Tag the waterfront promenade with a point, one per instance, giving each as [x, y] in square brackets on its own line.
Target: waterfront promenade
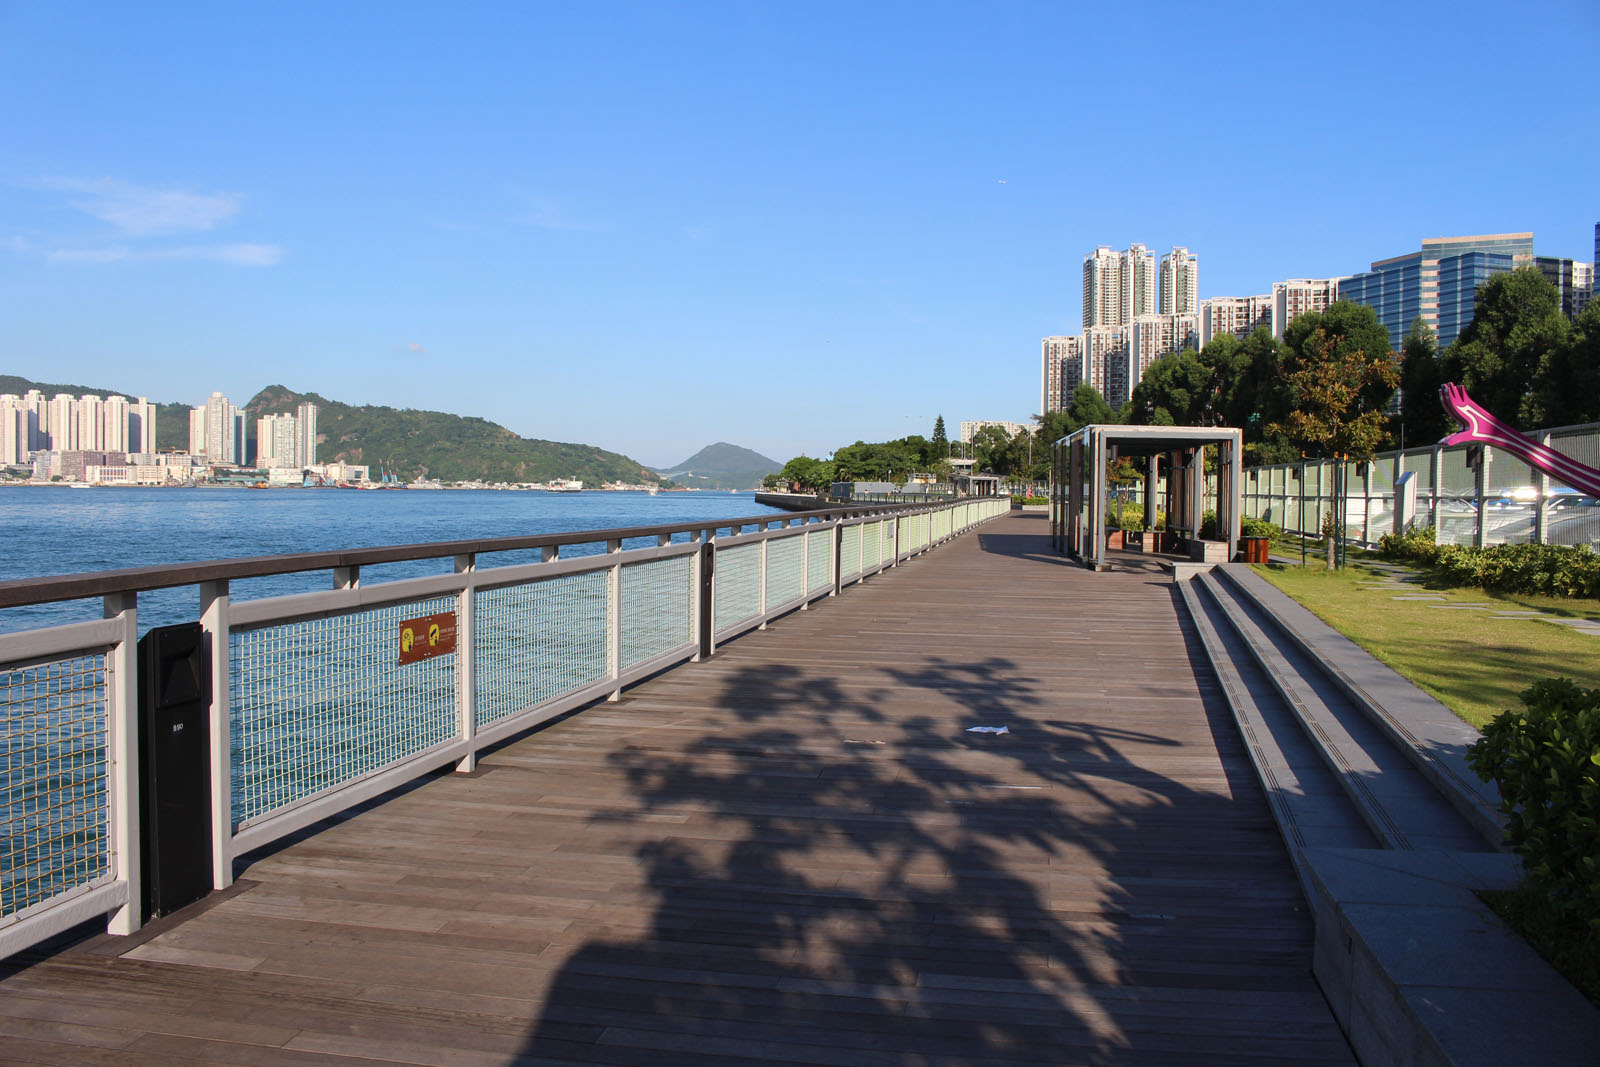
[792, 852]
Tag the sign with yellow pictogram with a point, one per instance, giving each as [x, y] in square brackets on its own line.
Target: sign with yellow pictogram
[429, 636]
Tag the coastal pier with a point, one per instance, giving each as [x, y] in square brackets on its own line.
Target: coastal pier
[984, 808]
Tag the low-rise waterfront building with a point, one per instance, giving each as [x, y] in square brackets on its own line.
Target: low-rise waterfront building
[970, 428]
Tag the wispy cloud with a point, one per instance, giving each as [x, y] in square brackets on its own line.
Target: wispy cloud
[239, 255]
[147, 211]
[141, 219]
[549, 215]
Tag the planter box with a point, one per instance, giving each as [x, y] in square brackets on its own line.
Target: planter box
[1116, 539]
[1254, 549]
[1208, 551]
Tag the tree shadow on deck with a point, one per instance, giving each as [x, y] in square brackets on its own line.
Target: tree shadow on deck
[860, 880]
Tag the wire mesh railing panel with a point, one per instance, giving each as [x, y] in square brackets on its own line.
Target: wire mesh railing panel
[1419, 463]
[54, 780]
[850, 551]
[319, 702]
[1581, 445]
[738, 579]
[819, 556]
[657, 608]
[888, 528]
[871, 544]
[786, 563]
[538, 641]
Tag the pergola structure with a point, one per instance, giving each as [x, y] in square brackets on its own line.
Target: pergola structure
[1078, 483]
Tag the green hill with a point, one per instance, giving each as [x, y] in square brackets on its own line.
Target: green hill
[452, 448]
[410, 443]
[722, 466]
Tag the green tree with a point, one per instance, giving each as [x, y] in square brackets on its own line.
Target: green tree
[808, 473]
[1422, 418]
[1516, 335]
[1176, 390]
[1329, 387]
[1569, 387]
[1089, 408]
[941, 443]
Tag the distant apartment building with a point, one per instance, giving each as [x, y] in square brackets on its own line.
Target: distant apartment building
[66, 423]
[1105, 357]
[1118, 287]
[1180, 283]
[1154, 336]
[288, 440]
[1238, 315]
[970, 428]
[1404, 288]
[1296, 296]
[1102, 287]
[13, 430]
[1061, 370]
[217, 431]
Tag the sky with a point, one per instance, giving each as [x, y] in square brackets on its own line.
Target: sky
[791, 226]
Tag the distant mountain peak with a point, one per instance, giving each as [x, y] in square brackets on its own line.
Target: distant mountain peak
[722, 466]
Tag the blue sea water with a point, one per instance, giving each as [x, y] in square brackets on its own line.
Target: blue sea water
[56, 530]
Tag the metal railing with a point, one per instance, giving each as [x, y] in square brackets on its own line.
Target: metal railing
[314, 707]
[1469, 495]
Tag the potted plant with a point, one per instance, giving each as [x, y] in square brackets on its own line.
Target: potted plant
[1255, 539]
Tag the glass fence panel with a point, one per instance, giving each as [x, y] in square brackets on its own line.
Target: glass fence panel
[54, 780]
[871, 545]
[318, 702]
[657, 608]
[850, 551]
[819, 559]
[538, 641]
[738, 579]
[786, 578]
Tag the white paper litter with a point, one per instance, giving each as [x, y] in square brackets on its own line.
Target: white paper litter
[987, 730]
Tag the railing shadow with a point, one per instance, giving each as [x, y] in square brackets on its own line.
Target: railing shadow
[867, 882]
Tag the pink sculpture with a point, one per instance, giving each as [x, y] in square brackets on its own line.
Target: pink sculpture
[1480, 427]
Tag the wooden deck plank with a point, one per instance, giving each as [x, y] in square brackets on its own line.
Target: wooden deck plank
[793, 851]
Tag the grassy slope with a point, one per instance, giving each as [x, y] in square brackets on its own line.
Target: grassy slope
[1474, 664]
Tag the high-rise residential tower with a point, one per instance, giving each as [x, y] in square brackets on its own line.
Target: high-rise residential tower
[1140, 285]
[1102, 287]
[306, 438]
[1180, 283]
[142, 426]
[216, 431]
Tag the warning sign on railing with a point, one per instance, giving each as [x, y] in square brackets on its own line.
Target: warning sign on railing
[429, 636]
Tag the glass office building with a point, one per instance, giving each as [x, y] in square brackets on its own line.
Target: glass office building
[1411, 286]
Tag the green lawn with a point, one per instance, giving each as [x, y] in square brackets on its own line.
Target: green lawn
[1474, 664]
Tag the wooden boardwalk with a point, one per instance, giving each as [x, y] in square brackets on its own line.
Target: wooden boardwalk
[793, 852]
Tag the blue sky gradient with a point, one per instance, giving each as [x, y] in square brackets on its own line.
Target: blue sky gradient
[652, 226]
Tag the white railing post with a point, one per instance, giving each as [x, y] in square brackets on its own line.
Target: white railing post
[836, 558]
[697, 565]
[761, 576]
[805, 563]
[122, 721]
[214, 624]
[466, 565]
[614, 617]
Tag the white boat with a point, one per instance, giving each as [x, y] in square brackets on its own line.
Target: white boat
[565, 485]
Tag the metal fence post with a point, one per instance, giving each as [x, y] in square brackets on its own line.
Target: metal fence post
[122, 700]
[214, 624]
[1541, 488]
[837, 558]
[614, 618]
[466, 565]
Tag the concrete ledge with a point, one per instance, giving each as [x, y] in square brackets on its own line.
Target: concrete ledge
[1418, 970]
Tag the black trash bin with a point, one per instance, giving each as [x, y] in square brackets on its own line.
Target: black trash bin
[174, 767]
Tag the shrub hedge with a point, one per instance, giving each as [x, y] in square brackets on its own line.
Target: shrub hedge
[1551, 570]
[1546, 761]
